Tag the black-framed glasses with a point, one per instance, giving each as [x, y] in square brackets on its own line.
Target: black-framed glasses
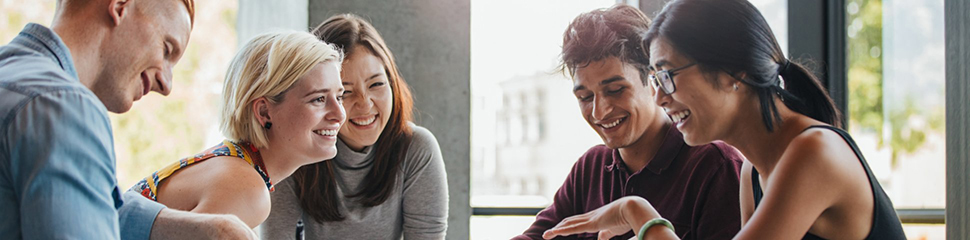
[665, 79]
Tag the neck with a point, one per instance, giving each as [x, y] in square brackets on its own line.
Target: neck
[83, 40]
[638, 155]
[761, 147]
[279, 164]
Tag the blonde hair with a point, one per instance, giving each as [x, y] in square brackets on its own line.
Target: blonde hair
[267, 66]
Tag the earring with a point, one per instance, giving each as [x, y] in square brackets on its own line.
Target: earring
[268, 125]
[735, 86]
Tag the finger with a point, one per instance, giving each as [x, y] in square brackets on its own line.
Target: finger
[566, 230]
[606, 234]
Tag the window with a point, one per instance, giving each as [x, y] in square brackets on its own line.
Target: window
[527, 130]
[896, 70]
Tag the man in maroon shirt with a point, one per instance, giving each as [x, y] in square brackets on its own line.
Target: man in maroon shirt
[696, 188]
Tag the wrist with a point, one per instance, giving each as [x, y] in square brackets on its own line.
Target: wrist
[637, 211]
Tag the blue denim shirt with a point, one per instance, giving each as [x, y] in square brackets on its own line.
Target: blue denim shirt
[57, 162]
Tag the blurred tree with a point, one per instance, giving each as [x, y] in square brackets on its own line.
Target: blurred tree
[867, 109]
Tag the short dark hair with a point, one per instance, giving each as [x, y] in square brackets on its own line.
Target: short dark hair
[607, 32]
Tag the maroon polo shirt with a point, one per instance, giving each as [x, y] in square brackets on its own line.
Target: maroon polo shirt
[696, 188]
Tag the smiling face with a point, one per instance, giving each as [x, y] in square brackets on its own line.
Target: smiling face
[139, 53]
[701, 111]
[368, 98]
[308, 117]
[614, 101]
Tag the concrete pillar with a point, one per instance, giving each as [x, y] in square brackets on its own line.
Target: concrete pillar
[259, 16]
[957, 119]
[430, 42]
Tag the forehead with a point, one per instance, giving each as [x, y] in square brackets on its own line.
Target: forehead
[595, 72]
[660, 49]
[172, 18]
[323, 75]
[362, 61]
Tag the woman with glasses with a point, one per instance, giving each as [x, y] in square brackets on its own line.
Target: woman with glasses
[721, 76]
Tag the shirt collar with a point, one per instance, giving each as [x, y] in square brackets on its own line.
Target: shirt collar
[46, 42]
[672, 143]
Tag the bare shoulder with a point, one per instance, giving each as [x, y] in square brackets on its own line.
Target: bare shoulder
[819, 148]
[821, 158]
[232, 186]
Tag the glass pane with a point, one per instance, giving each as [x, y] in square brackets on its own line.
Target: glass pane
[776, 13]
[896, 96]
[527, 130]
[925, 231]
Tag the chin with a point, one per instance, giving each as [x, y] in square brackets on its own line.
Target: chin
[329, 153]
[691, 140]
[614, 144]
[119, 106]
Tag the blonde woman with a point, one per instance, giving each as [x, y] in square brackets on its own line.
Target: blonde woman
[281, 110]
[388, 180]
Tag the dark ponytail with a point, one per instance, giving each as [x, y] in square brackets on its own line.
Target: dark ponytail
[809, 96]
[732, 36]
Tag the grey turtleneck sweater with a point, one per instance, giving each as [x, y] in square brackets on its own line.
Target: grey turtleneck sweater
[417, 209]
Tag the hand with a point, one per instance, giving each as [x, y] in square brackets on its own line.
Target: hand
[614, 219]
[176, 224]
[228, 226]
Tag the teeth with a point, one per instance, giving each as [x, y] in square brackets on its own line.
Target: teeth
[364, 122]
[612, 124]
[326, 132]
[678, 116]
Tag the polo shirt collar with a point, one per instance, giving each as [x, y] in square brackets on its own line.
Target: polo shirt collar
[672, 143]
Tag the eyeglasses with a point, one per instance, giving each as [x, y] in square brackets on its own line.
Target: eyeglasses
[665, 79]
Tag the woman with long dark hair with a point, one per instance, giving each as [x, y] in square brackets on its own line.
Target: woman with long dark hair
[720, 75]
[388, 178]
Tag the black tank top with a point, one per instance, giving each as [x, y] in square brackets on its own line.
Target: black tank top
[885, 223]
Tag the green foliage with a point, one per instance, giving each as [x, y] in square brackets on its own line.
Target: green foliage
[909, 126]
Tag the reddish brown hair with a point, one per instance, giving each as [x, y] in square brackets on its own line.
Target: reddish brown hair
[608, 32]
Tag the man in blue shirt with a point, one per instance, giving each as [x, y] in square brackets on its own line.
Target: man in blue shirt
[57, 163]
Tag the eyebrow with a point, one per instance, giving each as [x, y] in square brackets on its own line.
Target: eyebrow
[325, 90]
[366, 79]
[604, 82]
[660, 63]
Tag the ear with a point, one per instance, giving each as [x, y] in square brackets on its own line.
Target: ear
[261, 110]
[118, 10]
[734, 78]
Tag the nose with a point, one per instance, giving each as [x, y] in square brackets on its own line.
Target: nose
[162, 83]
[601, 108]
[365, 101]
[661, 98]
[335, 111]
